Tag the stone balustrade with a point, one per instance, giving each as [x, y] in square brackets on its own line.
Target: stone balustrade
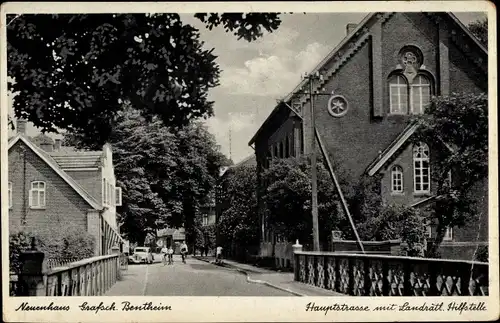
[383, 275]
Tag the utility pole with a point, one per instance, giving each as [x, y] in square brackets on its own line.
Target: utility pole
[314, 175]
[230, 144]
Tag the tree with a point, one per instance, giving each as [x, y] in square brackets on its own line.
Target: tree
[459, 125]
[479, 28]
[239, 223]
[164, 175]
[77, 78]
[288, 206]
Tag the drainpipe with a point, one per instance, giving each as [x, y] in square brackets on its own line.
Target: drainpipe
[25, 200]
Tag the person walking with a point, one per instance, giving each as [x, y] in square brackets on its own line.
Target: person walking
[164, 252]
[184, 250]
[170, 252]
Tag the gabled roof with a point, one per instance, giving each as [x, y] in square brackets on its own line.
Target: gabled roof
[77, 160]
[53, 164]
[393, 147]
[336, 53]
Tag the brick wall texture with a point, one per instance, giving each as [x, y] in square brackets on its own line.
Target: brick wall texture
[358, 137]
[64, 207]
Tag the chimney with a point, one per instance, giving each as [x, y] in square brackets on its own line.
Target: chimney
[21, 126]
[350, 28]
[57, 144]
[48, 147]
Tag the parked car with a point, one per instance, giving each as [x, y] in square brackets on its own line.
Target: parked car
[141, 255]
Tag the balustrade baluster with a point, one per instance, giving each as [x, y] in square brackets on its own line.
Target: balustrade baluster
[385, 279]
[336, 270]
[407, 287]
[59, 284]
[69, 288]
[367, 283]
[306, 268]
[432, 272]
[316, 270]
[325, 270]
[78, 282]
[296, 267]
[350, 272]
[91, 269]
[463, 284]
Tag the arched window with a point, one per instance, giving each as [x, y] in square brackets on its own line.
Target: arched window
[397, 179]
[421, 169]
[275, 151]
[37, 194]
[420, 94]
[281, 149]
[398, 95]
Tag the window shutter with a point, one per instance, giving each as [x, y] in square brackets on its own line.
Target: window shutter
[118, 196]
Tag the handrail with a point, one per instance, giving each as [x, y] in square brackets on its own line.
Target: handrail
[78, 263]
[400, 258]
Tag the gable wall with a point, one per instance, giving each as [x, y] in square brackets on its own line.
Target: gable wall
[64, 206]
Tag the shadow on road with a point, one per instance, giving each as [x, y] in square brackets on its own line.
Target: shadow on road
[204, 266]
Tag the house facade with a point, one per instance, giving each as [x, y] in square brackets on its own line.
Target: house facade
[52, 187]
[385, 70]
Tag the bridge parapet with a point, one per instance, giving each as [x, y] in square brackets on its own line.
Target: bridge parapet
[382, 275]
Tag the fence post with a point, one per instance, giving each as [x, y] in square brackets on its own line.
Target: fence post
[116, 251]
[32, 272]
[297, 247]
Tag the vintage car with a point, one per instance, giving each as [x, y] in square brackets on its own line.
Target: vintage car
[141, 255]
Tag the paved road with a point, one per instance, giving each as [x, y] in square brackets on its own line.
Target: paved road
[195, 278]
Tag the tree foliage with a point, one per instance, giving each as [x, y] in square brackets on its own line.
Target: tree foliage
[394, 222]
[78, 77]
[479, 28]
[459, 124]
[288, 201]
[239, 223]
[164, 175]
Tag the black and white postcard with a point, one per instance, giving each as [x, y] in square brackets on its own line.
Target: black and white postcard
[239, 161]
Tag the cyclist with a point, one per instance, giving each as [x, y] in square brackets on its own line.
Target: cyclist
[164, 252]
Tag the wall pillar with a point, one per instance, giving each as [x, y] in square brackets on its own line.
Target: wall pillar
[377, 77]
[444, 61]
[94, 228]
[31, 278]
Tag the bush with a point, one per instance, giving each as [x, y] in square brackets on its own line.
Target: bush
[18, 242]
[68, 243]
[397, 222]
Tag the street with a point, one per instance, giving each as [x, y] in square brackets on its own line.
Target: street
[195, 278]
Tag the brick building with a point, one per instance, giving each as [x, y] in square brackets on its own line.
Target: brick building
[384, 70]
[52, 187]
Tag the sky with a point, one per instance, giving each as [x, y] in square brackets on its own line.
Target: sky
[256, 74]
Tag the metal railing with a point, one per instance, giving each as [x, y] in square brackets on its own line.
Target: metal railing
[380, 275]
[88, 277]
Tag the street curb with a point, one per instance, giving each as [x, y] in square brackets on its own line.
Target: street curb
[263, 282]
[254, 281]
